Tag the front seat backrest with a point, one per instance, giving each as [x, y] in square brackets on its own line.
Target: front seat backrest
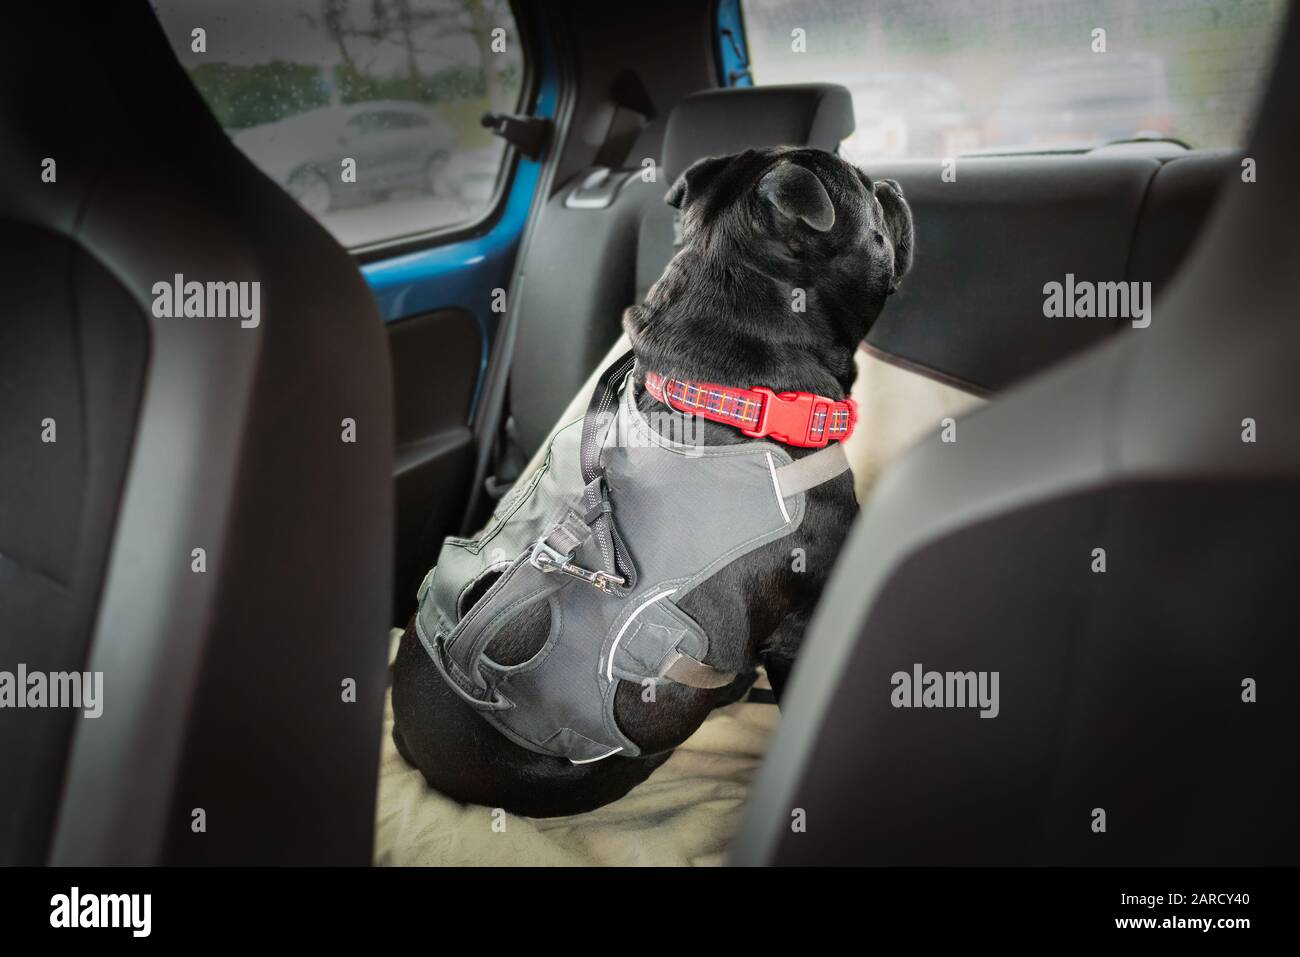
[179, 510]
[1116, 542]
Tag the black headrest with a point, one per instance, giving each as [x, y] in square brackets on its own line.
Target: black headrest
[716, 122]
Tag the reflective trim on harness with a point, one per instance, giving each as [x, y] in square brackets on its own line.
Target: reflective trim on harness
[776, 487]
[599, 757]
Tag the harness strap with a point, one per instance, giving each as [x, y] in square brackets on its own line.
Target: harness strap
[692, 672]
[600, 411]
[571, 532]
[812, 470]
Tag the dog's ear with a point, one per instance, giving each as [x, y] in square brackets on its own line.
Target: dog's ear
[695, 180]
[798, 195]
[898, 220]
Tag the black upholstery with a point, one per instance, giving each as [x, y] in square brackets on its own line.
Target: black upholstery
[577, 281]
[717, 122]
[223, 689]
[435, 447]
[75, 349]
[654, 245]
[593, 262]
[1120, 690]
[971, 310]
[1179, 199]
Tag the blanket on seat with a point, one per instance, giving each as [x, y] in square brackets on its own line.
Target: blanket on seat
[685, 813]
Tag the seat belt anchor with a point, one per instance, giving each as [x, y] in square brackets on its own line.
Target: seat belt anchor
[546, 560]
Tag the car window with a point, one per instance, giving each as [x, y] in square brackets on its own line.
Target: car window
[365, 111]
[940, 78]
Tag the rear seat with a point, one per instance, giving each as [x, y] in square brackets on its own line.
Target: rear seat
[969, 319]
[971, 311]
[1180, 197]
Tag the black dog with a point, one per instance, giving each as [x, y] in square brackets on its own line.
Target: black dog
[763, 230]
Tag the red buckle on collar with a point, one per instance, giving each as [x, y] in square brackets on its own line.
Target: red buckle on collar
[802, 419]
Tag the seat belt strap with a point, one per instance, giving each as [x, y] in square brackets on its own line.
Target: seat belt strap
[812, 470]
[693, 673]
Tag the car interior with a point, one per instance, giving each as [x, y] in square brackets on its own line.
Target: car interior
[233, 521]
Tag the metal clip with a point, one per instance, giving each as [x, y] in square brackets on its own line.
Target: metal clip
[547, 559]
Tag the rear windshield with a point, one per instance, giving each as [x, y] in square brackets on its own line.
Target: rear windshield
[941, 78]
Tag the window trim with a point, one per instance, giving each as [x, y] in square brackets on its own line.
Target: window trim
[732, 64]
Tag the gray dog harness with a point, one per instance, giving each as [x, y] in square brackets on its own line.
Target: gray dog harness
[611, 532]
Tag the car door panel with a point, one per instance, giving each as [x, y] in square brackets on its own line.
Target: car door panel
[435, 446]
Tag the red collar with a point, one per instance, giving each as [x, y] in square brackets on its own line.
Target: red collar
[803, 419]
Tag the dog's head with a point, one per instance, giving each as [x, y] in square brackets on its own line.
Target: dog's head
[787, 258]
[807, 213]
